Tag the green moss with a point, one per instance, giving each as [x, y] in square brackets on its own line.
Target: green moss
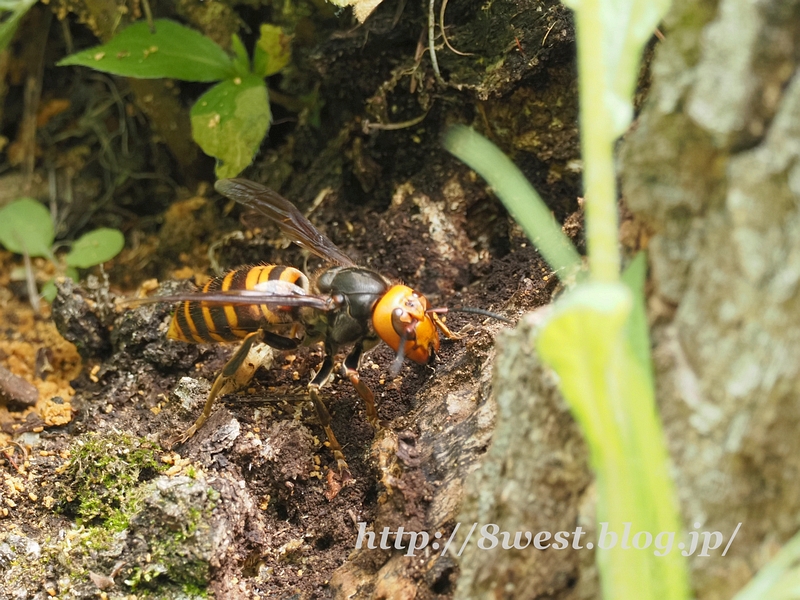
[195, 591]
[178, 552]
[102, 473]
[107, 490]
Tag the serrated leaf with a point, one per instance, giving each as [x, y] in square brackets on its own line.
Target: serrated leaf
[95, 247]
[172, 51]
[26, 226]
[273, 51]
[229, 122]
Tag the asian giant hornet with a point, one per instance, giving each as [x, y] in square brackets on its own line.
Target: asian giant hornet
[345, 305]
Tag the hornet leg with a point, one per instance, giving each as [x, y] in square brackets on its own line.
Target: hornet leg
[228, 371]
[350, 368]
[324, 416]
[444, 329]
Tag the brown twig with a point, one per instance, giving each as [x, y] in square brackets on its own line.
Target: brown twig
[548, 32]
[367, 126]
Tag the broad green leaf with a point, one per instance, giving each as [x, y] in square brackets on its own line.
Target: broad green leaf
[172, 51]
[273, 51]
[95, 247]
[9, 27]
[587, 322]
[229, 122]
[26, 226]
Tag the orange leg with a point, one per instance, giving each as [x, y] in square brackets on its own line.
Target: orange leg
[350, 367]
[227, 372]
[324, 415]
[444, 329]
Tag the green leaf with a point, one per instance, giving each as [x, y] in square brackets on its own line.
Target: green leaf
[273, 51]
[95, 247]
[26, 226]
[779, 579]
[634, 277]
[172, 51]
[230, 121]
[242, 62]
[9, 27]
[49, 290]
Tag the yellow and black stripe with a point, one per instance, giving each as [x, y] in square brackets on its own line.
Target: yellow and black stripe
[198, 322]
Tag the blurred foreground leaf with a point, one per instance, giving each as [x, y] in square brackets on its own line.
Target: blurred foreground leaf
[779, 579]
[593, 342]
[519, 197]
[9, 26]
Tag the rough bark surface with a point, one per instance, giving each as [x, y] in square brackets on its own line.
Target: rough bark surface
[713, 167]
[535, 477]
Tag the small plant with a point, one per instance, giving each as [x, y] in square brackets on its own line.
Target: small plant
[230, 120]
[595, 336]
[27, 229]
[11, 13]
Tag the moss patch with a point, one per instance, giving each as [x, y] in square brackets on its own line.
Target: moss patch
[122, 507]
[103, 475]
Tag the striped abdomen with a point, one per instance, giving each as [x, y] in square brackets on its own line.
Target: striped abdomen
[197, 322]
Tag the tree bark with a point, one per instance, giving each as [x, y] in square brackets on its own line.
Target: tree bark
[712, 166]
[534, 478]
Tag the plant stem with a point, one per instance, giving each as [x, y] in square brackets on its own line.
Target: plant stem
[597, 147]
[30, 279]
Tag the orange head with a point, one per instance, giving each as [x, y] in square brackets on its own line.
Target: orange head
[402, 314]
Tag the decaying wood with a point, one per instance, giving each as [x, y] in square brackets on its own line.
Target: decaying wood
[534, 478]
